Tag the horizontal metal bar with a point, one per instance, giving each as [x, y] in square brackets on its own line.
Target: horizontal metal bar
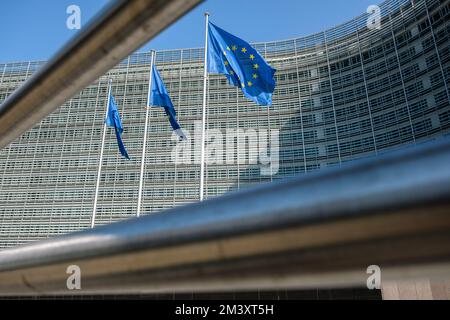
[322, 229]
[120, 29]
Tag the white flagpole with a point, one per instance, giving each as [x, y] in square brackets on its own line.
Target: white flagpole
[101, 159]
[144, 143]
[205, 78]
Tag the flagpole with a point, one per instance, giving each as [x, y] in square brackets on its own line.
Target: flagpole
[205, 78]
[94, 212]
[144, 143]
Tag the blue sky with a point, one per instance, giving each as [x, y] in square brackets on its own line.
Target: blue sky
[34, 30]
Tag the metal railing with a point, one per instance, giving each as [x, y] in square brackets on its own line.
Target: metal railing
[320, 230]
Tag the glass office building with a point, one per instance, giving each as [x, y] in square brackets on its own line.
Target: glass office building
[347, 93]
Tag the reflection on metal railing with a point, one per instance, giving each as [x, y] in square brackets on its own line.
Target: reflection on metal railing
[320, 230]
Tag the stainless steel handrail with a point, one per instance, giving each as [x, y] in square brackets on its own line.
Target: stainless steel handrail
[121, 28]
[319, 230]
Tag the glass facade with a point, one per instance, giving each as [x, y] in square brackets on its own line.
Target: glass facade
[343, 94]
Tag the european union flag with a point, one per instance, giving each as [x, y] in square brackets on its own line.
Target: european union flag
[159, 97]
[243, 65]
[113, 120]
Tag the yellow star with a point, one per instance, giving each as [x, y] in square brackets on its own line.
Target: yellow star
[255, 66]
[228, 48]
[249, 83]
[244, 50]
[252, 57]
[234, 48]
[226, 63]
[224, 53]
[255, 76]
[231, 72]
[242, 85]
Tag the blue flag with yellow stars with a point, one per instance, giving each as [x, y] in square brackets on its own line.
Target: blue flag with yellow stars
[243, 66]
[159, 97]
[113, 120]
